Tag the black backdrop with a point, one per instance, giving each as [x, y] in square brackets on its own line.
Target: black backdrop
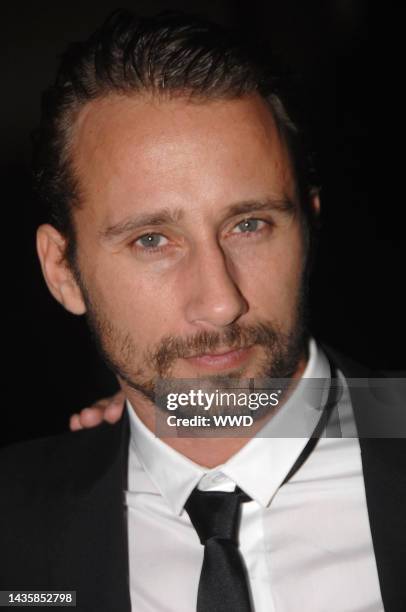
[50, 366]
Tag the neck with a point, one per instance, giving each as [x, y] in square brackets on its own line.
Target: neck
[206, 451]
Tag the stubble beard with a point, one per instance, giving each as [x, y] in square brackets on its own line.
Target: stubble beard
[282, 351]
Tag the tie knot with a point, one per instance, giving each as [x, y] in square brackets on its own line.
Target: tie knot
[215, 514]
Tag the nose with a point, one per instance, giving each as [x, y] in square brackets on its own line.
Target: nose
[214, 298]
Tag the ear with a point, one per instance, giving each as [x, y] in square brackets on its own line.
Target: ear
[58, 276]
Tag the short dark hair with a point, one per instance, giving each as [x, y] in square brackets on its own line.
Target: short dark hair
[171, 54]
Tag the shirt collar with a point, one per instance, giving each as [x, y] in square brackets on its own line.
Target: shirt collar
[174, 475]
[260, 466]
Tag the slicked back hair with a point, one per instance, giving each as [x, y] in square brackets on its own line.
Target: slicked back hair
[169, 55]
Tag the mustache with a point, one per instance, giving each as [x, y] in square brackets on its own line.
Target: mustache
[233, 338]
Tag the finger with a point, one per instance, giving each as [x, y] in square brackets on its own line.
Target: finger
[90, 417]
[113, 412]
[118, 398]
[74, 423]
[114, 409]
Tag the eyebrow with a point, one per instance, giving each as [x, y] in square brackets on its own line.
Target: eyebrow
[166, 216]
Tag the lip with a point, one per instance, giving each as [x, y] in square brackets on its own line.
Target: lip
[227, 359]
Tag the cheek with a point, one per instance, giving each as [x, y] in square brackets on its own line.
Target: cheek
[271, 280]
[142, 305]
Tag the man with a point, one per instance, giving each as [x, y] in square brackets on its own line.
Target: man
[182, 225]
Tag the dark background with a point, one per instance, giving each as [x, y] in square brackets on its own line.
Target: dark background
[50, 366]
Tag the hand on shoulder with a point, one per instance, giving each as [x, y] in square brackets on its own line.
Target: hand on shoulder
[107, 409]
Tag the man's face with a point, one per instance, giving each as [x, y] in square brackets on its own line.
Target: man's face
[189, 238]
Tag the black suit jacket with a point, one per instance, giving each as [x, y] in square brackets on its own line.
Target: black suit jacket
[63, 522]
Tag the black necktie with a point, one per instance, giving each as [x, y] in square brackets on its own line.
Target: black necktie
[223, 583]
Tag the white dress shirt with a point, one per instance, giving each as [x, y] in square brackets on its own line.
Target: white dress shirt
[306, 545]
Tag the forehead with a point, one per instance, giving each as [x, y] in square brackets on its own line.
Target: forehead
[138, 151]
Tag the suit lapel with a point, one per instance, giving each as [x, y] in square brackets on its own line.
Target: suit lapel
[88, 549]
[384, 469]
[88, 537]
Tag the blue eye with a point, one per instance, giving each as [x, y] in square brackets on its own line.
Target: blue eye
[151, 241]
[249, 225]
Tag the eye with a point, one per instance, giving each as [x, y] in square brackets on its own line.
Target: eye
[249, 226]
[151, 241]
